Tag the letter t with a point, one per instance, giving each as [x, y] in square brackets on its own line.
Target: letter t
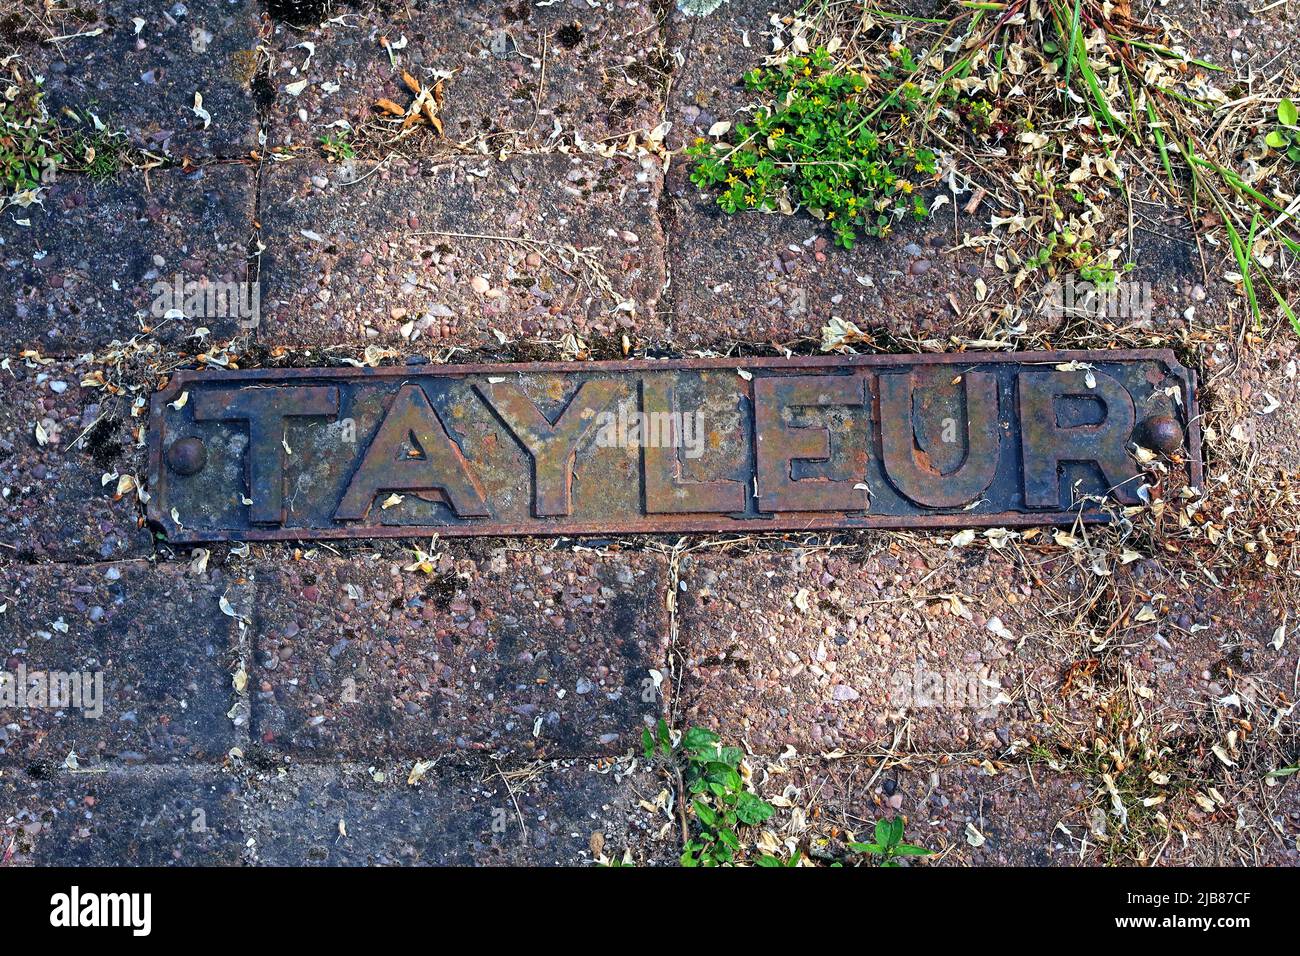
[265, 410]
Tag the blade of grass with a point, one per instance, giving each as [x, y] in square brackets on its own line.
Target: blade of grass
[890, 15]
[1132, 106]
[1089, 75]
[1286, 309]
[1241, 252]
[1154, 125]
[1163, 51]
[1074, 39]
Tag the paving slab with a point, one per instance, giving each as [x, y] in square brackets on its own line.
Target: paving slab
[1194, 644]
[1012, 813]
[1253, 406]
[122, 663]
[547, 654]
[481, 815]
[755, 277]
[514, 76]
[777, 279]
[824, 651]
[450, 253]
[137, 68]
[144, 816]
[92, 262]
[1228, 34]
[1018, 813]
[54, 500]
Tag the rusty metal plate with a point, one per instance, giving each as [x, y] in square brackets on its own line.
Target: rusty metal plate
[883, 441]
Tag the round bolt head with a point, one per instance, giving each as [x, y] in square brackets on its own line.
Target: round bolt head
[1161, 433]
[187, 456]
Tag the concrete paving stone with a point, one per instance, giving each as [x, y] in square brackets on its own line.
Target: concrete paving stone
[1206, 643]
[752, 277]
[547, 654]
[1259, 826]
[141, 78]
[1282, 808]
[354, 256]
[1229, 33]
[54, 501]
[773, 278]
[87, 268]
[1015, 812]
[159, 650]
[483, 815]
[515, 75]
[714, 53]
[1252, 403]
[146, 816]
[757, 277]
[823, 651]
[776, 278]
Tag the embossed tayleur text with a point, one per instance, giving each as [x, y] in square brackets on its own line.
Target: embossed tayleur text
[703, 444]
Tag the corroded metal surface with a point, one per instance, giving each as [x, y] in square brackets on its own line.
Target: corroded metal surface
[881, 441]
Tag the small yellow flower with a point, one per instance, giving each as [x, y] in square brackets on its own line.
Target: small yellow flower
[749, 172]
[700, 141]
[903, 121]
[807, 71]
[920, 167]
[905, 186]
[750, 199]
[778, 133]
[830, 215]
[886, 231]
[732, 180]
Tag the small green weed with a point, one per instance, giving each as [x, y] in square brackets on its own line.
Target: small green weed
[338, 147]
[825, 143]
[710, 773]
[26, 144]
[99, 156]
[1064, 249]
[888, 845]
[1286, 137]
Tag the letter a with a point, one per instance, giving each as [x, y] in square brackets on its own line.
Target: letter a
[413, 452]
